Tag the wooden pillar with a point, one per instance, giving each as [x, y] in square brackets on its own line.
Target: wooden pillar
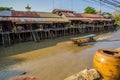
[45, 34]
[49, 33]
[6, 40]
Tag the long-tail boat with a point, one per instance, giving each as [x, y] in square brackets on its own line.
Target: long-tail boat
[84, 39]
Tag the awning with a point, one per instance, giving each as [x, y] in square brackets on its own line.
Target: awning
[81, 19]
[20, 19]
[101, 19]
[42, 22]
[33, 20]
[89, 19]
[54, 20]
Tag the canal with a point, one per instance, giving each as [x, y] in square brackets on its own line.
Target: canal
[52, 59]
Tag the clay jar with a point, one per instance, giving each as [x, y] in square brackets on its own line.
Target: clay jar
[107, 63]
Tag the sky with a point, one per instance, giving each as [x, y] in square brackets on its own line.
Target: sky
[49, 5]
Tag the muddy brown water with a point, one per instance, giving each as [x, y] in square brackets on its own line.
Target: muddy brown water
[52, 59]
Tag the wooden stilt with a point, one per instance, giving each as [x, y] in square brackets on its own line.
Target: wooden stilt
[64, 32]
[45, 34]
[35, 35]
[49, 33]
[6, 41]
[19, 37]
[53, 35]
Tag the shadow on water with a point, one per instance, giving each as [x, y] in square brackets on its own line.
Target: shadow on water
[8, 75]
[7, 62]
[23, 47]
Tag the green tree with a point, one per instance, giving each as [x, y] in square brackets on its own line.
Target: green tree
[117, 18]
[69, 24]
[90, 10]
[5, 8]
[107, 14]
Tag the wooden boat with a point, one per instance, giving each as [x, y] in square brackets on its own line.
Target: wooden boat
[84, 40]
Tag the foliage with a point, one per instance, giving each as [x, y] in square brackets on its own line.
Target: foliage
[54, 26]
[90, 10]
[40, 25]
[5, 8]
[117, 18]
[69, 24]
[107, 14]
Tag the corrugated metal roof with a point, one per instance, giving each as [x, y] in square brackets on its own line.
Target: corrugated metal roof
[68, 14]
[25, 14]
[82, 15]
[77, 15]
[87, 20]
[28, 17]
[47, 15]
[55, 20]
[5, 13]
[32, 20]
[101, 19]
[73, 18]
[91, 15]
[82, 19]
[62, 10]
[32, 17]
[85, 17]
[22, 19]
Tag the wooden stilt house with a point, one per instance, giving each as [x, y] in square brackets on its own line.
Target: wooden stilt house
[26, 25]
[86, 22]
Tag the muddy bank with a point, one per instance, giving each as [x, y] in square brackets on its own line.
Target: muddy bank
[51, 59]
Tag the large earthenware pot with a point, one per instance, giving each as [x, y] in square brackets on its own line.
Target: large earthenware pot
[107, 63]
